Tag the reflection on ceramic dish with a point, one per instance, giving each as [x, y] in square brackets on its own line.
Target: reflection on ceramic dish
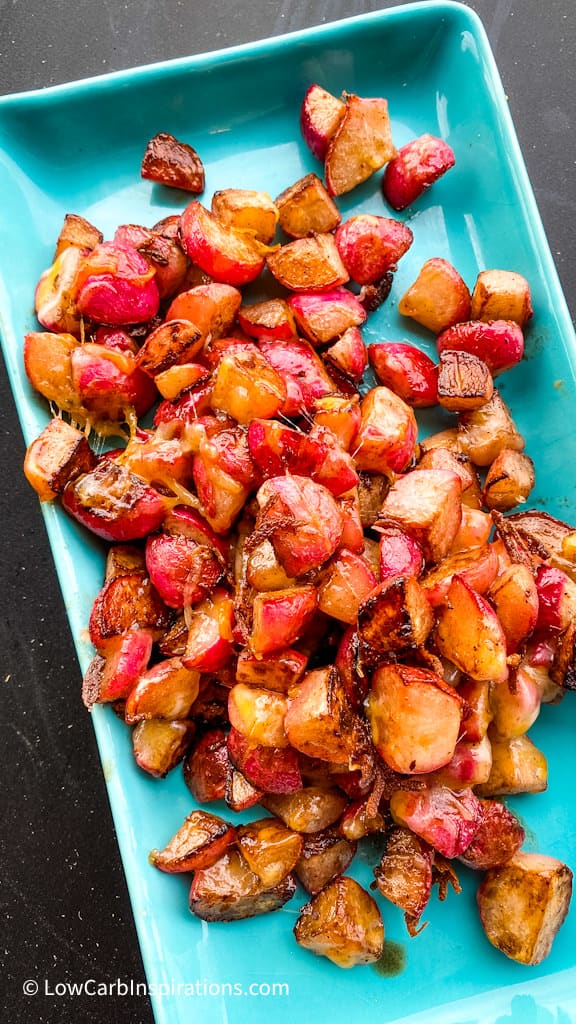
[239, 108]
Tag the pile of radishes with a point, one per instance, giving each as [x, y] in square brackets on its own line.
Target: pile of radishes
[302, 603]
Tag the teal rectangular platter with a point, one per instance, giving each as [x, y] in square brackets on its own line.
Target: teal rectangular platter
[77, 148]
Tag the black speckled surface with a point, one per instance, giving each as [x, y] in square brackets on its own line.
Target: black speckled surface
[64, 907]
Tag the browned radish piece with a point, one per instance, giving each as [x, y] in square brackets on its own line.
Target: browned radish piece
[167, 690]
[523, 903]
[246, 386]
[276, 448]
[556, 599]
[209, 646]
[361, 144]
[499, 343]
[340, 415]
[469, 634]
[501, 295]
[396, 616]
[258, 714]
[211, 307]
[175, 341]
[346, 661]
[415, 718]
[302, 370]
[445, 819]
[478, 566]
[110, 384]
[272, 319]
[310, 810]
[114, 503]
[337, 471]
[517, 767]
[230, 890]
[116, 285]
[160, 461]
[444, 458]
[319, 721]
[371, 245]
[326, 316]
[56, 294]
[308, 264]
[360, 820]
[277, 671]
[280, 617]
[199, 842]
[348, 354]
[324, 856]
[500, 835]
[404, 875]
[548, 536]
[229, 256]
[269, 769]
[305, 208]
[509, 480]
[464, 381]
[438, 298]
[400, 554]
[345, 585]
[240, 794]
[415, 167]
[246, 210]
[427, 505]
[407, 371]
[159, 745]
[270, 849]
[123, 558]
[113, 677]
[173, 163]
[373, 295]
[477, 709]
[78, 232]
[485, 432]
[206, 766]
[183, 571]
[126, 602]
[60, 453]
[164, 254]
[320, 115]
[470, 765]
[303, 520]
[372, 490]
[386, 440]
[515, 597]
[263, 570]
[191, 404]
[223, 474]
[516, 705]
[171, 383]
[342, 923]
[49, 369]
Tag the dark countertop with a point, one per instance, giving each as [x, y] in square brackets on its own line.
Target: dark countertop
[64, 903]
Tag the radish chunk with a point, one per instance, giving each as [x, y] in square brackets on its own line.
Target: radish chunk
[320, 115]
[247, 211]
[343, 923]
[229, 890]
[167, 690]
[438, 298]
[395, 616]
[319, 721]
[172, 163]
[326, 316]
[500, 835]
[303, 519]
[308, 264]
[305, 208]
[469, 634]
[407, 371]
[59, 454]
[198, 843]
[324, 856]
[270, 848]
[269, 769]
[227, 255]
[523, 904]
[370, 246]
[361, 144]
[415, 718]
[280, 617]
[404, 874]
[386, 440]
[416, 167]
[499, 343]
[447, 820]
[427, 505]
